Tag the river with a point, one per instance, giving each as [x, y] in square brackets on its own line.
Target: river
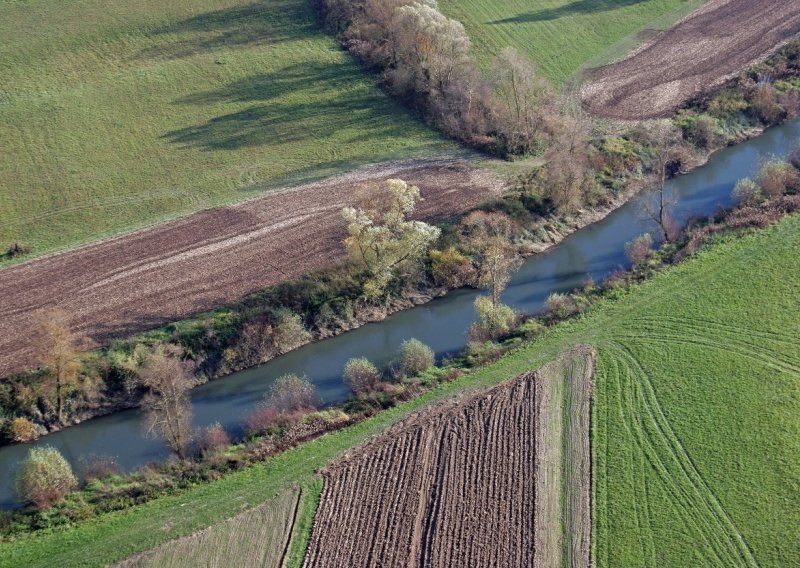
[595, 250]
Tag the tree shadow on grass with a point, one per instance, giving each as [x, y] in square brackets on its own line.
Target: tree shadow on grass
[263, 23]
[300, 103]
[573, 8]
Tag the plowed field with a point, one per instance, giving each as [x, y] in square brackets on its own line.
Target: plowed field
[146, 279]
[472, 483]
[710, 45]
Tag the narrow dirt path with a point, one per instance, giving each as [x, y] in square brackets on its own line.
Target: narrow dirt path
[146, 279]
[706, 48]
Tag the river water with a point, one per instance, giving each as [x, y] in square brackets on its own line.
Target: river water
[596, 250]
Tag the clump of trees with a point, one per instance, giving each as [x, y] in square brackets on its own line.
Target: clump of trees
[382, 240]
[423, 57]
[45, 477]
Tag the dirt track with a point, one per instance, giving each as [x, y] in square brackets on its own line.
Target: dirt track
[706, 48]
[470, 483]
[143, 280]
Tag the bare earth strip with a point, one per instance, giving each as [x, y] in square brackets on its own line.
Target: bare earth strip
[711, 45]
[460, 484]
[254, 539]
[152, 277]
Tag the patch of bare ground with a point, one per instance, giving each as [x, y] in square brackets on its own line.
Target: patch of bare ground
[479, 481]
[703, 50]
[149, 278]
[256, 538]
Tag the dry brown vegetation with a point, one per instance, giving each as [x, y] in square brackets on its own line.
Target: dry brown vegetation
[140, 281]
[478, 481]
[256, 538]
[711, 45]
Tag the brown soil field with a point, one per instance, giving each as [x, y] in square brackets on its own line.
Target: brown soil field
[146, 279]
[477, 481]
[703, 50]
[257, 538]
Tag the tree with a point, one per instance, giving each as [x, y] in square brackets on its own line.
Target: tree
[57, 346]
[44, 477]
[361, 376]
[667, 157]
[523, 102]
[381, 239]
[290, 393]
[489, 236]
[428, 47]
[167, 408]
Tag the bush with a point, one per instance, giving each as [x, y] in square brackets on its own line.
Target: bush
[415, 357]
[560, 305]
[451, 269]
[45, 477]
[98, 467]
[747, 192]
[777, 177]
[290, 333]
[494, 320]
[21, 430]
[639, 249]
[290, 393]
[213, 440]
[263, 420]
[361, 376]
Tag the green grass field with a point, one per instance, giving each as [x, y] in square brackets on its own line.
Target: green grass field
[695, 430]
[562, 36]
[115, 115]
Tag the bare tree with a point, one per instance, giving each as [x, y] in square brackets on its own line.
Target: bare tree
[667, 157]
[166, 404]
[490, 235]
[58, 352]
[524, 101]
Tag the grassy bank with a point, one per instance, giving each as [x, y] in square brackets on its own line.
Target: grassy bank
[695, 425]
[561, 36]
[118, 115]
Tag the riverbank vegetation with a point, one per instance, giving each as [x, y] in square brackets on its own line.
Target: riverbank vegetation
[289, 413]
[646, 366]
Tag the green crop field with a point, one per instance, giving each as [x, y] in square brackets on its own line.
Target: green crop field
[695, 425]
[115, 115]
[562, 36]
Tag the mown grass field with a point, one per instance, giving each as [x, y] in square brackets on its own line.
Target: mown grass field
[695, 425]
[115, 115]
[256, 538]
[562, 36]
